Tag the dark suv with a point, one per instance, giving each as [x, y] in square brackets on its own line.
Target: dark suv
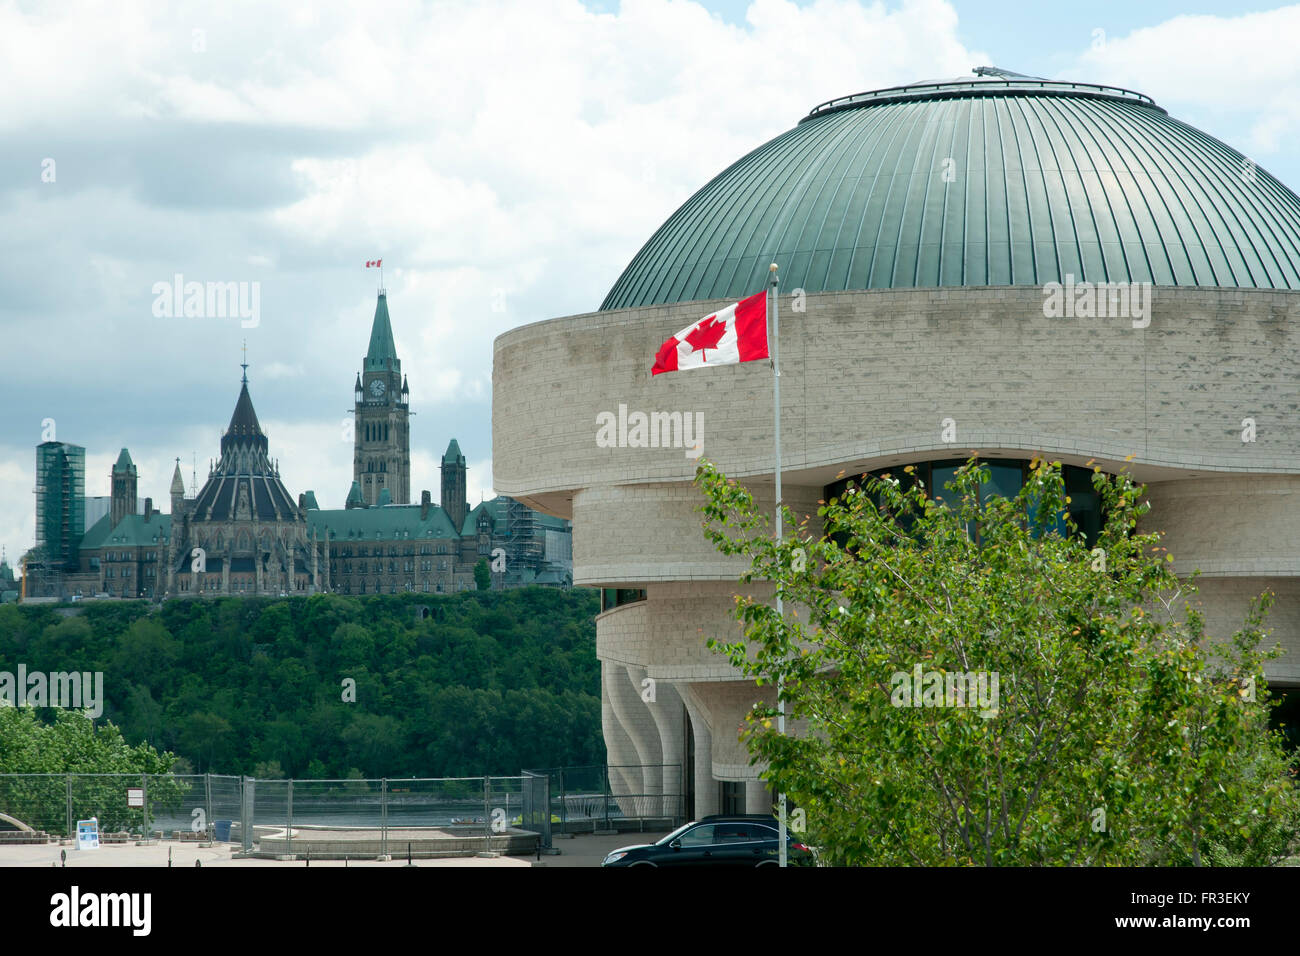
[721, 840]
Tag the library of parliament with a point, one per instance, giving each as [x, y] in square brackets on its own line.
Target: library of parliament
[244, 533]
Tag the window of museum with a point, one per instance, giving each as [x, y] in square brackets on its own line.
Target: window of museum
[611, 598]
[731, 797]
[1006, 477]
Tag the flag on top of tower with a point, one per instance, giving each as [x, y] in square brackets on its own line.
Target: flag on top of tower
[729, 336]
[375, 262]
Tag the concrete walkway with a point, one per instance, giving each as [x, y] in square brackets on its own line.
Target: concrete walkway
[184, 854]
[584, 850]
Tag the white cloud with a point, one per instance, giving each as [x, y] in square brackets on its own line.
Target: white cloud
[506, 158]
[1224, 66]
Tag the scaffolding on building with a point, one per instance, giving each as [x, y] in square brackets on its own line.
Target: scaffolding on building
[526, 545]
[60, 516]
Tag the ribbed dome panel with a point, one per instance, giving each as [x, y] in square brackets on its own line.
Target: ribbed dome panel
[970, 187]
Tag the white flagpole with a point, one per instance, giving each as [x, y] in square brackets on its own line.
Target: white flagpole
[780, 609]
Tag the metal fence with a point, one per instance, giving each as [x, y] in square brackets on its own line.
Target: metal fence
[167, 802]
[380, 817]
[361, 817]
[615, 797]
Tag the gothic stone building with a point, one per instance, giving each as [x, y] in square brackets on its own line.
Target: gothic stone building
[244, 533]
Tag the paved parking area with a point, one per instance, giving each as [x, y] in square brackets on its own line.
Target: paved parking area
[588, 849]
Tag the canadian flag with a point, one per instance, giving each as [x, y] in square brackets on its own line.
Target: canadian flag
[375, 262]
[729, 336]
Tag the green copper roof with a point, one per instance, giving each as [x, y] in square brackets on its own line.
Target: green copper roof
[382, 353]
[453, 453]
[244, 427]
[131, 531]
[469, 526]
[354, 495]
[377, 524]
[124, 462]
[978, 181]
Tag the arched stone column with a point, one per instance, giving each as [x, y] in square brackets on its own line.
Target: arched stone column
[645, 778]
[706, 787]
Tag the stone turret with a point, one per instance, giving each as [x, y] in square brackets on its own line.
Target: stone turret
[454, 475]
[123, 482]
[177, 492]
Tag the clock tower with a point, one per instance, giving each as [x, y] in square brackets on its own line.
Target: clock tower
[382, 438]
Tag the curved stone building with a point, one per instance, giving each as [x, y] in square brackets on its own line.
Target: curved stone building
[994, 263]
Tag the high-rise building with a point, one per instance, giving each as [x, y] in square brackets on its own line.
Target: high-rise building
[60, 501]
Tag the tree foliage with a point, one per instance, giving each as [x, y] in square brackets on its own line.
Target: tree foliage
[1119, 732]
[73, 743]
[446, 685]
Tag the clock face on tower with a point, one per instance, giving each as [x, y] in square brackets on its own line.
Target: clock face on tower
[377, 388]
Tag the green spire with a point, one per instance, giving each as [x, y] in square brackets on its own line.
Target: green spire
[354, 497]
[453, 453]
[124, 462]
[382, 353]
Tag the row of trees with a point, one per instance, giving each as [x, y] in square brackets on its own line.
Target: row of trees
[394, 685]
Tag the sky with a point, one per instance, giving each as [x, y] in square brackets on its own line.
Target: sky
[506, 159]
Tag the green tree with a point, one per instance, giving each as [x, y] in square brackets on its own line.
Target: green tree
[971, 685]
[74, 744]
[209, 740]
[482, 575]
[234, 682]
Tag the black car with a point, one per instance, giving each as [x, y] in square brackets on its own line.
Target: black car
[716, 841]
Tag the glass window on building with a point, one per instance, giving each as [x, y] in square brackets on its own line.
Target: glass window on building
[611, 598]
[731, 796]
[1006, 478]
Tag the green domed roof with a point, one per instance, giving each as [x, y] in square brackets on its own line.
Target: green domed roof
[992, 180]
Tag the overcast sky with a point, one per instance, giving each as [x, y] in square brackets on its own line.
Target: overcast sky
[505, 159]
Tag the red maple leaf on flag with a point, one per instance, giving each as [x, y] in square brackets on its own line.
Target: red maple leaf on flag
[707, 334]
